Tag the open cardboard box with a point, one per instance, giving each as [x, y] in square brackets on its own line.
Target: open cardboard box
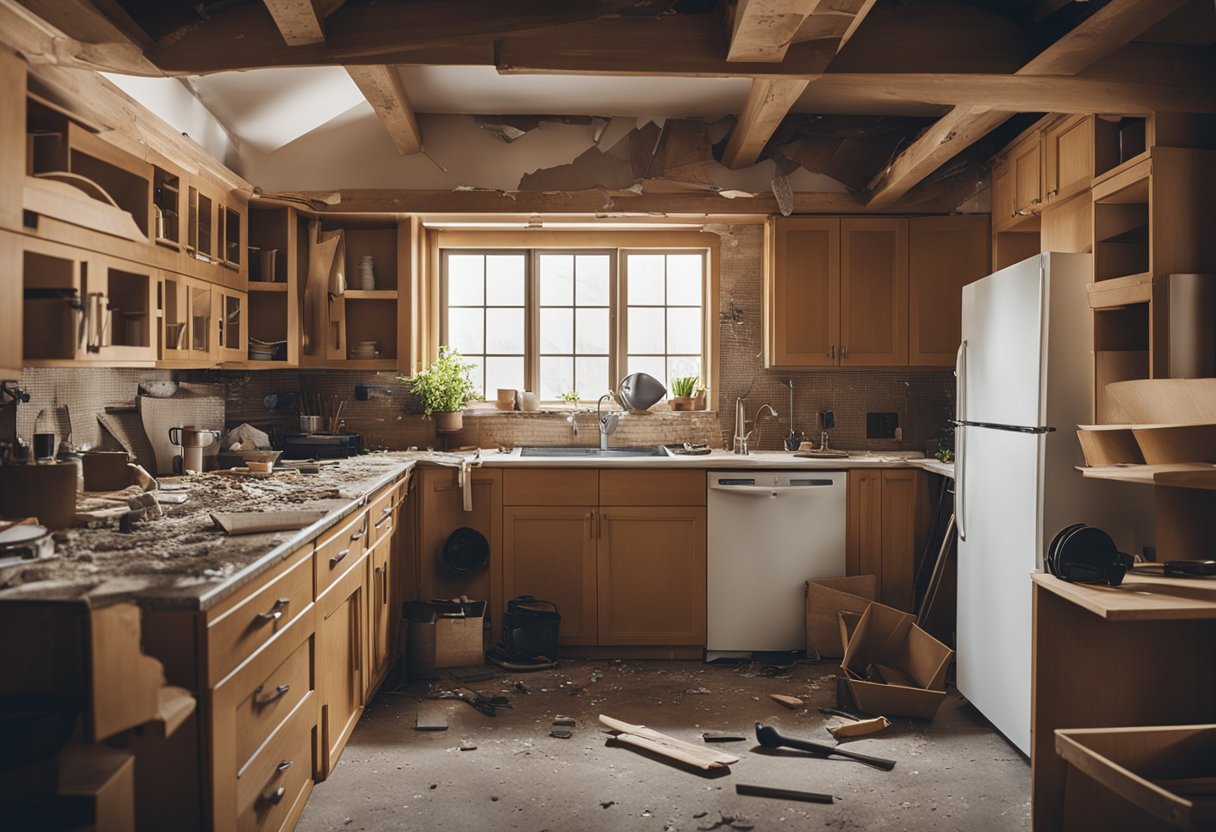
[887, 636]
[825, 598]
[442, 634]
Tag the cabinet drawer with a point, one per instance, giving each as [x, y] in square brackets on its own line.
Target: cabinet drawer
[380, 516]
[647, 487]
[550, 487]
[279, 775]
[339, 551]
[271, 699]
[236, 634]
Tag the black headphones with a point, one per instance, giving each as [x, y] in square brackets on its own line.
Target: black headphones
[1085, 555]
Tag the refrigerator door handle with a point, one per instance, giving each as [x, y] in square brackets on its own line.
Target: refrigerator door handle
[960, 442]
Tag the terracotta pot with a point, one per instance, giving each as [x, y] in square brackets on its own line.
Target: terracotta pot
[683, 402]
[448, 422]
[698, 401]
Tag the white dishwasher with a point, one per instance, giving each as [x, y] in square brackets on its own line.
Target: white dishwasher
[769, 532]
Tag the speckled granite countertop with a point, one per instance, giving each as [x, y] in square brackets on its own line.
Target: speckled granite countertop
[182, 560]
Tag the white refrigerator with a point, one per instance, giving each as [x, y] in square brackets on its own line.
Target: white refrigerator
[1024, 383]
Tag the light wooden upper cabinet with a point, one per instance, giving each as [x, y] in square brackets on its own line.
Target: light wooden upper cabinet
[1002, 192]
[804, 293]
[1068, 158]
[1026, 163]
[11, 360]
[944, 255]
[873, 292]
[870, 291]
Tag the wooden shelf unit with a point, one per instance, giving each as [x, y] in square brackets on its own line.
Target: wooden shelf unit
[274, 305]
[1122, 641]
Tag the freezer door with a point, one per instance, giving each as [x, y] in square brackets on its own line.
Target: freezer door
[1001, 357]
[1000, 509]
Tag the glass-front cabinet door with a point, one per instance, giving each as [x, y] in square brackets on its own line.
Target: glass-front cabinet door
[201, 337]
[233, 330]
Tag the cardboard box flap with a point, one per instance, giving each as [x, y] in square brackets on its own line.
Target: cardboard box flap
[847, 624]
[925, 659]
[879, 637]
[825, 598]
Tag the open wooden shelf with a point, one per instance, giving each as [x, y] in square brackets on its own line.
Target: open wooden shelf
[1185, 472]
[1121, 291]
[374, 294]
[263, 286]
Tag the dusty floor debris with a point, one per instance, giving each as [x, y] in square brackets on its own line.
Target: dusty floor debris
[955, 773]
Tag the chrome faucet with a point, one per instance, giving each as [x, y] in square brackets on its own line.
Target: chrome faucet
[572, 420]
[742, 434]
[607, 421]
[823, 441]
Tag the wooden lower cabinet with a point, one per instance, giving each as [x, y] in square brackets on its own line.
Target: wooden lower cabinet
[651, 569]
[382, 623]
[549, 552]
[887, 521]
[342, 645]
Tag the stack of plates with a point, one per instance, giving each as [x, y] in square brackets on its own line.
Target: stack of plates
[264, 350]
[364, 350]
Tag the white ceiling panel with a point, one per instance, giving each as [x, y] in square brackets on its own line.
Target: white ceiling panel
[268, 108]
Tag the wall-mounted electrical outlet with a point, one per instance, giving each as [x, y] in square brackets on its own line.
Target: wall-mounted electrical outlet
[882, 425]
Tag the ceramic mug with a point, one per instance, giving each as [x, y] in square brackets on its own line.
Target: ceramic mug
[506, 398]
[529, 401]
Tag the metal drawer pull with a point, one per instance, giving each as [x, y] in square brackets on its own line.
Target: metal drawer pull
[282, 767]
[273, 798]
[388, 509]
[276, 612]
[357, 535]
[279, 693]
[338, 558]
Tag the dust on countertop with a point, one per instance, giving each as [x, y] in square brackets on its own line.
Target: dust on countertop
[182, 556]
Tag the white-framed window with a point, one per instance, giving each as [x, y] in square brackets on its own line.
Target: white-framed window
[559, 320]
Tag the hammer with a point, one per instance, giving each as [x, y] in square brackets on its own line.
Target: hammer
[770, 737]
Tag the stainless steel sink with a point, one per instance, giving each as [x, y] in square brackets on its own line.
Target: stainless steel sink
[583, 452]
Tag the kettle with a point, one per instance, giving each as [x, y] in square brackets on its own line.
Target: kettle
[191, 439]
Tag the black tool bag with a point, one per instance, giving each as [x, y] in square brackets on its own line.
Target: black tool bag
[529, 630]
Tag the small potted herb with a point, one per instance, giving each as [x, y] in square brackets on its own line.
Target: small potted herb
[570, 398]
[700, 397]
[683, 389]
[444, 388]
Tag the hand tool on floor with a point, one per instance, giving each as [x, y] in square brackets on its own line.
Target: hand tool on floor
[770, 737]
[782, 794]
[488, 705]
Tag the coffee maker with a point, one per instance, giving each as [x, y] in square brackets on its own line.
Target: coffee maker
[191, 439]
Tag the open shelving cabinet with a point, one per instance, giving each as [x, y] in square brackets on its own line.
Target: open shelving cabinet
[274, 286]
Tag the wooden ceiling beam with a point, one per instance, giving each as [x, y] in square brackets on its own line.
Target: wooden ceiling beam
[950, 135]
[1105, 31]
[762, 30]
[300, 22]
[768, 102]
[41, 42]
[1112, 26]
[382, 87]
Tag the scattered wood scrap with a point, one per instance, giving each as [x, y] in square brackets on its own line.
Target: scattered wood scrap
[655, 742]
[791, 702]
[782, 794]
[860, 728]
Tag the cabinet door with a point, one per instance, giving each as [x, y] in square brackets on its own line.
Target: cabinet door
[201, 335]
[1002, 194]
[944, 255]
[341, 652]
[651, 564]
[1068, 158]
[900, 502]
[863, 539]
[873, 292]
[232, 332]
[803, 293]
[128, 330]
[11, 303]
[1027, 177]
[380, 616]
[549, 552]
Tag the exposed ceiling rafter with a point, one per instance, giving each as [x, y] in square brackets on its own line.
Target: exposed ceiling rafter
[382, 87]
[1102, 33]
[300, 22]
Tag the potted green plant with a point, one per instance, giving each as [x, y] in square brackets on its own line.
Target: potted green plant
[699, 399]
[683, 389]
[571, 397]
[444, 388]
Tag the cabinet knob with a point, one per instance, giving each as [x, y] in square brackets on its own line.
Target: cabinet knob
[844, 351]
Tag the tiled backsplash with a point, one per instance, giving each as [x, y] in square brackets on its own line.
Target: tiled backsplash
[390, 419]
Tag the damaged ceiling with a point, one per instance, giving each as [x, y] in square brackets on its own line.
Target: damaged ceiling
[731, 97]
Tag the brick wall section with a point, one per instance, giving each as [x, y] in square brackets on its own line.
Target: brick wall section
[923, 399]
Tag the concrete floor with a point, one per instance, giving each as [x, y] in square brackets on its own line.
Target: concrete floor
[954, 773]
